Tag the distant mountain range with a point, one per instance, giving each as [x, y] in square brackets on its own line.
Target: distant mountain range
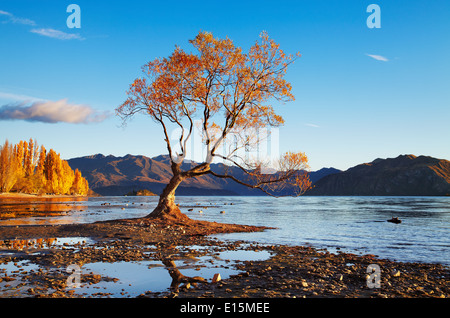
[404, 175]
[110, 175]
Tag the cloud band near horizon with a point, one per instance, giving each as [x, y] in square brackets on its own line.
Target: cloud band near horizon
[52, 112]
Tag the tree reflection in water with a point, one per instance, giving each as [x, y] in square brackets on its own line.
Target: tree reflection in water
[21, 244]
[13, 209]
[178, 278]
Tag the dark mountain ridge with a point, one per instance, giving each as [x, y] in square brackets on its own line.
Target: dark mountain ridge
[405, 175]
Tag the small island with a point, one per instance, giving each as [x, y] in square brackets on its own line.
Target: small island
[143, 192]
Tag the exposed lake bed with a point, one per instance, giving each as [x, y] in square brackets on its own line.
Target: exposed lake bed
[123, 258]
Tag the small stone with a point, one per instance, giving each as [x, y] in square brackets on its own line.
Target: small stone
[216, 278]
[395, 273]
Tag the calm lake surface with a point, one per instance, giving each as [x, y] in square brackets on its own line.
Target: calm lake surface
[348, 224]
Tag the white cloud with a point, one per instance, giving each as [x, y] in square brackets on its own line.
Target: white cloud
[5, 13]
[378, 57]
[17, 97]
[56, 34]
[52, 112]
[312, 125]
[23, 21]
[48, 32]
[18, 20]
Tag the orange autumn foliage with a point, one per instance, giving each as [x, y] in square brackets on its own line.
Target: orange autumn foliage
[231, 93]
[26, 168]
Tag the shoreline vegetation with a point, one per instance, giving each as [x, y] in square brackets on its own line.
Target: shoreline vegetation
[27, 168]
[290, 272]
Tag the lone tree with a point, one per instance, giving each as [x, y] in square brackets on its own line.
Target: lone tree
[228, 92]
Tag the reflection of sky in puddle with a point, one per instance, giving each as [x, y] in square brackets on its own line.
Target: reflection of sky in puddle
[20, 266]
[132, 278]
[64, 241]
[15, 287]
[242, 255]
[135, 278]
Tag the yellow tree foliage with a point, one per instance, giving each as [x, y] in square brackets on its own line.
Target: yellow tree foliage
[26, 168]
[40, 182]
[79, 184]
[26, 153]
[18, 150]
[9, 167]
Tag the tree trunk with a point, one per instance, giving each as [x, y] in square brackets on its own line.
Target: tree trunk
[166, 208]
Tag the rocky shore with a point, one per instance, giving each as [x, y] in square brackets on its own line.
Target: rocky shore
[289, 272]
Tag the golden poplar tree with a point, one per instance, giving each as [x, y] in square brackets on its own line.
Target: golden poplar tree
[26, 168]
[79, 185]
[40, 181]
[9, 167]
[66, 177]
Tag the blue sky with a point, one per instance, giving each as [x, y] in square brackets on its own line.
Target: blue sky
[361, 93]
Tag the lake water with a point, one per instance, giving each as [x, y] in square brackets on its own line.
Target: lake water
[348, 224]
